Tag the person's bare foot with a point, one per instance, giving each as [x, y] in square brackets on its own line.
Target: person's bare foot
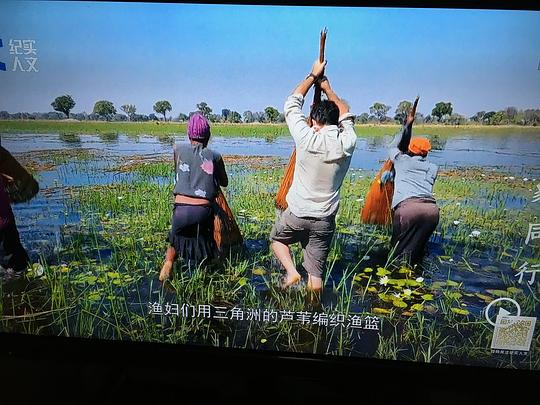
[314, 284]
[291, 279]
[166, 270]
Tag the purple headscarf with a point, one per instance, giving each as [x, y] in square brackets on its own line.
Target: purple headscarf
[198, 128]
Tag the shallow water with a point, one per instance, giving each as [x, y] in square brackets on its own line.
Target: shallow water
[517, 153]
[40, 221]
[44, 220]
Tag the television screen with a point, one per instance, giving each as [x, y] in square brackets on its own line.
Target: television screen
[330, 181]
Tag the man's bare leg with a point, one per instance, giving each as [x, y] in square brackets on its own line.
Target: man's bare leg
[166, 270]
[283, 254]
[314, 284]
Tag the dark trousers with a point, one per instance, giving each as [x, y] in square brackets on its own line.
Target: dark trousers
[12, 253]
[415, 219]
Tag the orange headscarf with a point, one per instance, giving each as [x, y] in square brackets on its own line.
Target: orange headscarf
[419, 146]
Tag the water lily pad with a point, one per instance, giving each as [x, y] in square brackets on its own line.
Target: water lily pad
[459, 311]
[259, 271]
[385, 297]
[404, 270]
[430, 309]
[455, 295]
[399, 303]
[243, 281]
[437, 285]
[483, 297]
[381, 311]
[427, 297]
[407, 313]
[90, 280]
[412, 283]
[93, 296]
[514, 290]
[36, 270]
[498, 293]
[113, 274]
[368, 270]
[417, 307]
[452, 283]
[372, 289]
[264, 340]
[398, 282]
[382, 272]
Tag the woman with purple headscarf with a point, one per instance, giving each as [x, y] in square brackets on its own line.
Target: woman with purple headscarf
[200, 172]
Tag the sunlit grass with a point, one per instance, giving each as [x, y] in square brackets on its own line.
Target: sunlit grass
[70, 129]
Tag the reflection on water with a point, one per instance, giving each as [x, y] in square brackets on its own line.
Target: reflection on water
[41, 220]
[514, 151]
[518, 153]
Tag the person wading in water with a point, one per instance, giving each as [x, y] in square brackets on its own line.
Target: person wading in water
[415, 212]
[323, 156]
[200, 172]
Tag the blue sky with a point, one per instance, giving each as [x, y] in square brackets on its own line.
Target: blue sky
[249, 57]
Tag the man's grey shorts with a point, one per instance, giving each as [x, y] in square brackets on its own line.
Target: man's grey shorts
[314, 234]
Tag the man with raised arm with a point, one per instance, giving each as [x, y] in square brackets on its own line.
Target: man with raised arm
[323, 156]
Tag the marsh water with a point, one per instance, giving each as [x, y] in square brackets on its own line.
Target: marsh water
[517, 152]
[43, 221]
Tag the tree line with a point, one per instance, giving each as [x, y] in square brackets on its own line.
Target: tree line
[442, 112]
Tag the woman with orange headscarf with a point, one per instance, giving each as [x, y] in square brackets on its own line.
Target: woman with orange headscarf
[415, 212]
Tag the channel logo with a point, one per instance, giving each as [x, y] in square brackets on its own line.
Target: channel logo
[2, 65]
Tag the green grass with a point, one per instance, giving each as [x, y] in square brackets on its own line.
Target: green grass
[269, 131]
[101, 281]
[138, 128]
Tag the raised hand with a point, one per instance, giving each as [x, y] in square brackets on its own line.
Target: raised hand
[412, 112]
[318, 68]
[323, 83]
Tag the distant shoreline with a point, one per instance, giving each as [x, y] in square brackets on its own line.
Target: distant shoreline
[257, 130]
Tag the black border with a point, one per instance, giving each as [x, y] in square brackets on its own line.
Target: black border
[88, 370]
[446, 4]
